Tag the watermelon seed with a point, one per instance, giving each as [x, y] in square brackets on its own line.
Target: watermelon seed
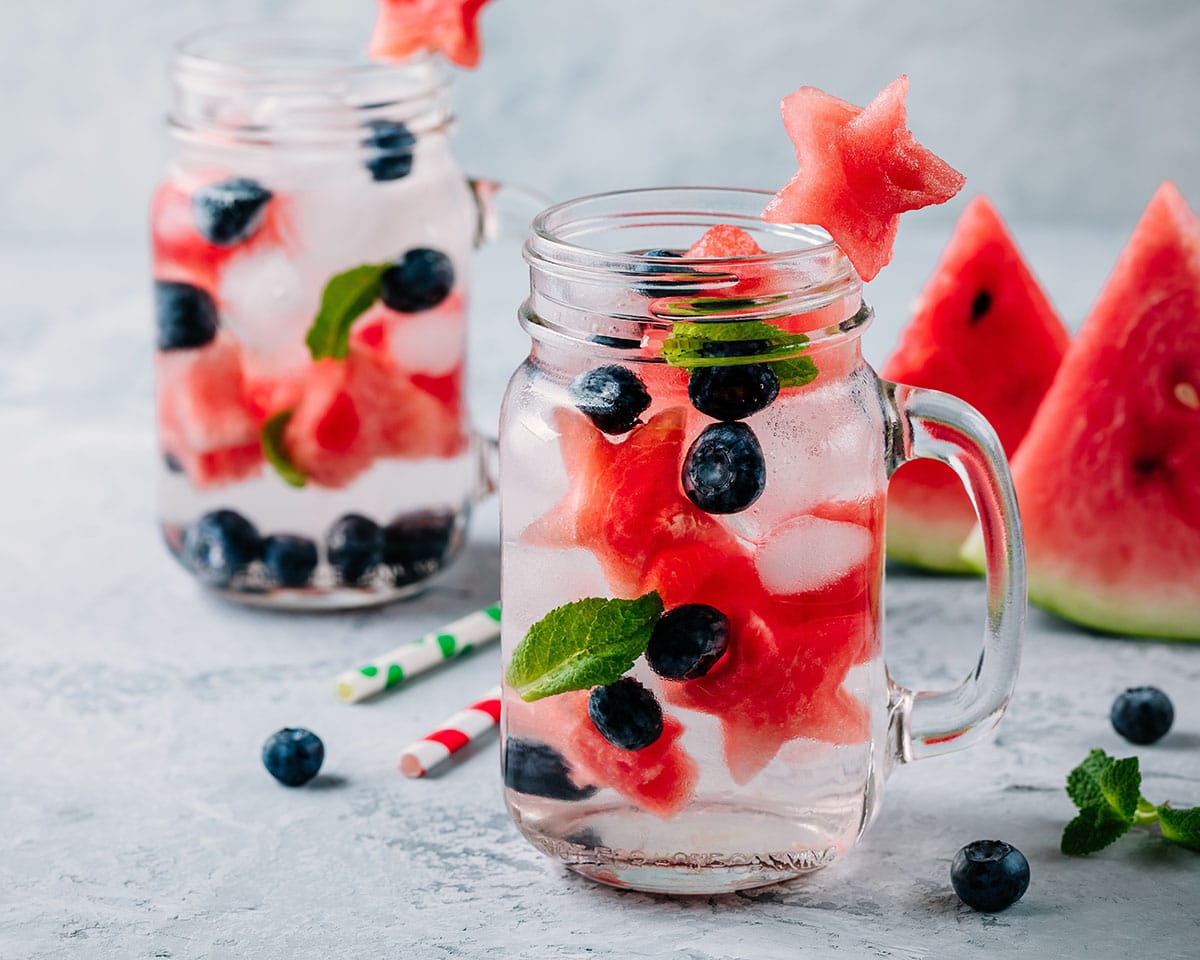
[980, 305]
[1186, 394]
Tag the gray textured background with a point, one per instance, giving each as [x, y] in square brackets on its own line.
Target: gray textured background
[1070, 111]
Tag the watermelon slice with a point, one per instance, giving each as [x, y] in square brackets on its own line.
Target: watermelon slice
[206, 420]
[406, 27]
[859, 170]
[1108, 476]
[983, 330]
[724, 241]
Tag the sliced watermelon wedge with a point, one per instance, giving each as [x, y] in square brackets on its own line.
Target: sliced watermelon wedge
[983, 330]
[1108, 476]
[406, 27]
[859, 170]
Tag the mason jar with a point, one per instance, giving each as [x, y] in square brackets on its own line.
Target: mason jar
[312, 241]
[694, 463]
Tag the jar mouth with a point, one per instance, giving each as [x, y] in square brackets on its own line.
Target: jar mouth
[614, 266]
[299, 82]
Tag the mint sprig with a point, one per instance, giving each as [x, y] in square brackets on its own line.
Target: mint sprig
[580, 645]
[272, 448]
[1108, 794]
[690, 346]
[347, 296]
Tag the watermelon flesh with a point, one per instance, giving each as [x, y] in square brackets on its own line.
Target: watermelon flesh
[860, 168]
[1108, 476]
[983, 330]
[408, 27]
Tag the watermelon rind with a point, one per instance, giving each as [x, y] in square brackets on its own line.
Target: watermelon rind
[918, 542]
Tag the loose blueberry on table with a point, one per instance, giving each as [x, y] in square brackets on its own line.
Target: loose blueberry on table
[293, 755]
[989, 875]
[1142, 714]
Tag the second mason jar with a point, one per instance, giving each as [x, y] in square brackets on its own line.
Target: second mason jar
[695, 458]
[311, 248]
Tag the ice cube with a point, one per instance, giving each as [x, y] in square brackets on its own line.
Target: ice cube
[267, 301]
[431, 342]
[809, 553]
[561, 576]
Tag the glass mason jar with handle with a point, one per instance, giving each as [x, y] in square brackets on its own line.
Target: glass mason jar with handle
[312, 241]
[695, 458]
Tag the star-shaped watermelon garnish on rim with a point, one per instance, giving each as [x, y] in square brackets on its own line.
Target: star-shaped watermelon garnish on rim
[406, 27]
[860, 168]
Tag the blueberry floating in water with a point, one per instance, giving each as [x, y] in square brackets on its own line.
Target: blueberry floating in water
[219, 546]
[186, 316]
[354, 547]
[626, 714]
[419, 280]
[293, 755]
[733, 392]
[687, 641]
[989, 875]
[416, 546]
[661, 280]
[290, 560]
[540, 770]
[230, 211]
[724, 470]
[390, 147]
[612, 397]
[1142, 714]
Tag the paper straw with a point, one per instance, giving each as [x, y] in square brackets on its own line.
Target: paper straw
[462, 728]
[395, 667]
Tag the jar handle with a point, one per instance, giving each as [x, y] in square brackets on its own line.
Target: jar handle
[927, 424]
[503, 213]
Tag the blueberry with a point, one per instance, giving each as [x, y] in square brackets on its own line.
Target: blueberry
[354, 547]
[186, 316]
[219, 546]
[229, 212]
[724, 470]
[989, 875]
[626, 714]
[293, 755]
[687, 641]
[1142, 714]
[612, 397]
[290, 560]
[617, 343]
[733, 392]
[390, 148]
[419, 280]
[662, 279]
[172, 463]
[540, 770]
[416, 546]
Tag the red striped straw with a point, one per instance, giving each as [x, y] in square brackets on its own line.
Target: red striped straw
[461, 729]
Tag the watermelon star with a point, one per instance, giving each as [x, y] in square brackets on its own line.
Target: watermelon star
[405, 27]
[860, 168]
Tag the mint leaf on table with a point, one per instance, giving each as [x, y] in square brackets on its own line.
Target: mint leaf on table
[1083, 783]
[1094, 829]
[1121, 784]
[1181, 826]
[347, 296]
[689, 345]
[272, 448]
[580, 645]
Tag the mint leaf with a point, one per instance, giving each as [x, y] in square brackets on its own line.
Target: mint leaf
[1146, 812]
[1083, 783]
[347, 297]
[1121, 785]
[1181, 826]
[1094, 829]
[272, 447]
[581, 645]
[689, 345]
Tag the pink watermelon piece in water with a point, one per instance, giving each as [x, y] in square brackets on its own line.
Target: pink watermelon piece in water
[984, 331]
[407, 27]
[860, 168]
[1108, 476]
[206, 421]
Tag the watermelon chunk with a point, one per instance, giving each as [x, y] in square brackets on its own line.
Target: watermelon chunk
[723, 241]
[406, 27]
[206, 420]
[983, 330]
[860, 168]
[1108, 476]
